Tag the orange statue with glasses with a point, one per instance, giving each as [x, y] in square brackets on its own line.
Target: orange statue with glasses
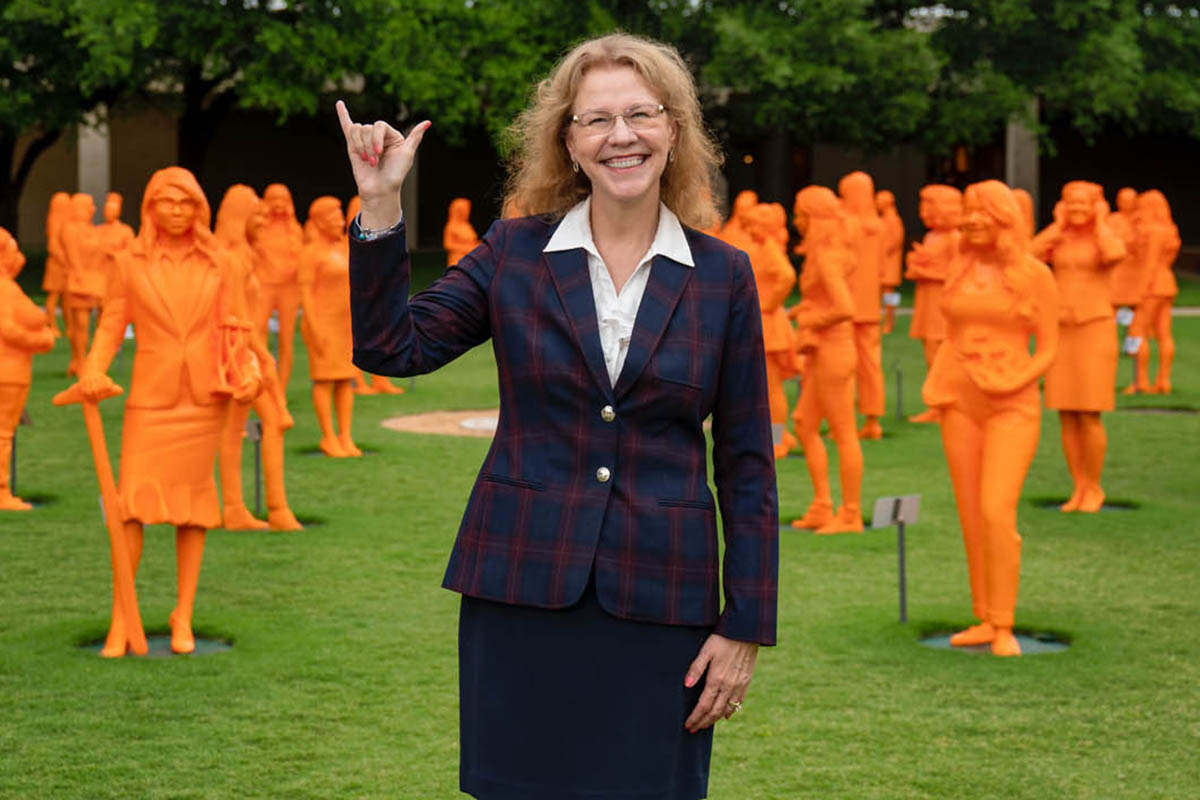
[985, 381]
[458, 237]
[174, 284]
[277, 256]
[24, 331]
[893, 255]
[1081, 381]
[1157, 244]
[826, 338]
[857, 191]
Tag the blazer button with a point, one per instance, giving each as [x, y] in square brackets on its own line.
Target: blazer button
[603, 474]
[607, 414]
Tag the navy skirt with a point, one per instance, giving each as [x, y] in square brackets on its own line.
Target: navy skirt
[576, 704]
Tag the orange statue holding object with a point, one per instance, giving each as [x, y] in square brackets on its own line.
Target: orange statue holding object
[277, 256]
[1080, 381]
[929, 263]
[826, 337]
[857, 191]
[325, 288]
[24, 331]
[54, 279]
[193, 352]
[737, 228]
[458, 237]
[893, 255]
[1157, 244]
[86, 274]
[986, 382]
[1125, 287]
[379, 384]
[238, 206]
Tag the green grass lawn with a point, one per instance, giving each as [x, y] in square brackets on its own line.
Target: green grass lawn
[342, 678]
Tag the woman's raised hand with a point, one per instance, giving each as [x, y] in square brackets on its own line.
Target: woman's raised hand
[380, 157]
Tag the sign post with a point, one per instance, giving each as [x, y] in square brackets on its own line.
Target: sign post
[900, 510]
[254, 433]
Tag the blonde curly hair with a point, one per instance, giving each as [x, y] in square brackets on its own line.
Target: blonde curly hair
[541, 180]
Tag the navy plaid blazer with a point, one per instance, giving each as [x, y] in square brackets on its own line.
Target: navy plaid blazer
[582, 474]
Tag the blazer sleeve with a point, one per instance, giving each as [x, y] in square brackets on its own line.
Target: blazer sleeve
[401, 336]
[744, 471]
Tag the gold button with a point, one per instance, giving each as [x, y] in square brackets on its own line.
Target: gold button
[607, 414]
[603, 474]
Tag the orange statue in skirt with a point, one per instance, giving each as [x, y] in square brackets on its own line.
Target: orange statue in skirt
[893, 255]
[929, 262]
[174, 285]
[985, 381]
[826, 338]
[277, 254]
[458, 237]
[857, 191]
[24, 331]
[1081, 380]
[325, 288]
[54, 279]
[378, 384]
[1157, 245]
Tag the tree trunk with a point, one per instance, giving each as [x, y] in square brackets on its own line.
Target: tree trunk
[202, 113]
[12, 184]
[775, 169]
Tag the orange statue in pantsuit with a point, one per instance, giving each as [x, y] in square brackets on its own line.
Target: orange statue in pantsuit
[1157, 244]
[986, 382]
[24, 331]
[277, 256]
[54, 279]
[378, 384]
[857, 191]
[458, 237]
[826, 334]
[893, 252]
[1080, 381]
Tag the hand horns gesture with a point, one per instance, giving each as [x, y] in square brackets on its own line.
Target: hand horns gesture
[380, 157]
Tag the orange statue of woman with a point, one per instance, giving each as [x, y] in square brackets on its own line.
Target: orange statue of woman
[1125, 286]
[774, 277]
[24, 331]
[1025, 202]
[458, 237]
[115, 235]
[1157, 245]
[277, 254]
[1080, 382]
[325, 288]
[737, 228]
[986, 382]
[378, 384]
[54, 279]
[86, 274]
[893, 255]
[237, 208]
[929, 262]
[173, 284]
[857, 191]
[825, 319]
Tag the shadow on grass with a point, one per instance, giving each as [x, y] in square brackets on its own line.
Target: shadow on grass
[158, 640]
[38, 499]
[315, 450]
[1052, 502]
[1166, 408]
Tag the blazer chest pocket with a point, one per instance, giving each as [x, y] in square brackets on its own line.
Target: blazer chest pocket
[703, 505]
[520, 483]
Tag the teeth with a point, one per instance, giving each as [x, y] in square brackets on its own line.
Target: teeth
[621, 163]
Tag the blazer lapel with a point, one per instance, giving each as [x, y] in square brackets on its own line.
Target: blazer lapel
[161, 309]
[663, 288]
[569, 270]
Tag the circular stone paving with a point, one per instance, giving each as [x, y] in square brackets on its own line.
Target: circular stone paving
[1032, 643]
[481, 423]
[160, 647]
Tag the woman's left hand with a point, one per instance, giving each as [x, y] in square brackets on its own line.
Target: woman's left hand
[730, 666]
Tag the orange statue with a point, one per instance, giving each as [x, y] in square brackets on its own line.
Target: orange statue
[87, 275]
[893, 255]
[986, 382]
[1025, 201]
[1157, 243]
[379, 384]
[857, 191]
[192, 354]
[277, 254]
[774, 276]
[737, 228]
[929, 262]
[115, 235]
[24, 331]
[325, 288]
[1080, 382]
[826, 336]
[1125, 286]
[458, 237]
[237, 208]
[54, 280]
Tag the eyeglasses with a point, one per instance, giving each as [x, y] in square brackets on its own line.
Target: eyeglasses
[175, 203]
[639, 118]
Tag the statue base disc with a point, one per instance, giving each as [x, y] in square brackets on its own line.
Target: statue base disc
[1032, 643]
[160, 647]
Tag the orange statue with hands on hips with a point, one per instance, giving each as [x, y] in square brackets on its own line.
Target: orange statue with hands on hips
[277, 256]
[929, 262]
[893, 255]
[1080, 382]
[54, 278]
[24, 331]
[378, 384]
[826, 337]
[857, 191]
[233, 230]
[325, 288]
[458, 237]
[192, 354]
[1157, 244]
[985, 381]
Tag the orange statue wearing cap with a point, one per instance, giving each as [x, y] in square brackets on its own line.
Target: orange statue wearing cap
[173, 284]
[893, 255]
[86, 274]
[1157, 244]
[325, 288]
[737, 228]
[458, 237]
[54, 279]
[378, 384]
[232, 230]
[985, 380]
[826, 337]
[857, 191]
[929, 262]
[1080, 383]
[277, 255]
[1125, 279]
[24, 331]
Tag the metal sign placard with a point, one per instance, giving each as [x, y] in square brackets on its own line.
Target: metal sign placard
[895, 510]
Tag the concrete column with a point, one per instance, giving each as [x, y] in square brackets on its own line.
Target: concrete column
[94, 159]
[408, 200]
[1021, 157]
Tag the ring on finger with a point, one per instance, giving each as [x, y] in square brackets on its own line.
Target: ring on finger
[735, 705]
